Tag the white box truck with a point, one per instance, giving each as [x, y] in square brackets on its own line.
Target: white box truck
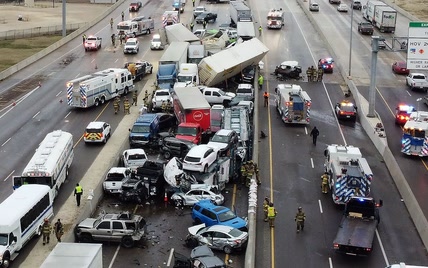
[385, 19]
[71, 255]
[176, 53]
[370, 8]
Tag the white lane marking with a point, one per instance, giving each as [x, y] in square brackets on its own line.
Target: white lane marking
[6, 142]
[330, 262]
[67, 114]
[116, 60]
[58, 93]
[320, 205]
[171, 254]
[52, 73]
[114, 256]
[92, 61]
[312, 162]
[408, 93]
[10, 106]
[8, 176]
[77, 75]
[306, 130]
[36, 114]
[382, 248]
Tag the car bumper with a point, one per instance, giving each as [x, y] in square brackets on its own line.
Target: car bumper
[130, 51]
[347, 116]
[191, 167]
[93, 141]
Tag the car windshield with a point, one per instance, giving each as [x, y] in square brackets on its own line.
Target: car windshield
[219, 138]
[114, 177]
[226, 216]
[131, 43]
[140, 129]
[137, 157]
[419, 77]
[91, 39]
[3, 239]
[347, 108]
[94, 130]
[192, 159]
[187, 131]
[162, 93]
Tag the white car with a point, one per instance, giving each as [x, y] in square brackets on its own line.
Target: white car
[314, 7]
[342, 8]
[93, 43]
[199, 32]
[97, 131]
[217, 96]
[131, 46]
[199, 158]
[160, 96]
[133, 158]
[245, 90]
[156, 43]
[197, 193]
[198, 11]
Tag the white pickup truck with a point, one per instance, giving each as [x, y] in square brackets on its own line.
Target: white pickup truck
[217, 96]
[417, 81]
[160, 96]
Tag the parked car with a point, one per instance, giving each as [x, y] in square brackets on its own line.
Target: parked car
[219, 237]
[171, 147]
[197, 193]
[205, 211]
[115, 177]
[96, 132]
[314, 7]
[206, 16]
[224, 140]
[198, 11]
[342, 8]
[124, 228]
[199, 158]
[400, 67]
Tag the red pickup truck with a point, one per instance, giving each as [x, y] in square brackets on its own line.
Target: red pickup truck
[134, 6]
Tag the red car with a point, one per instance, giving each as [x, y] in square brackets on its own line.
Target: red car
[402, 113]
[400, 67]
[326, 64]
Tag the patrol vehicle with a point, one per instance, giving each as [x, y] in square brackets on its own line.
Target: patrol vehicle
[415, 135]
[293, 104]
[346, 110]
[349, 173]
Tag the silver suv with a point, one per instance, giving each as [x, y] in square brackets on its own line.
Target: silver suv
[124, 228]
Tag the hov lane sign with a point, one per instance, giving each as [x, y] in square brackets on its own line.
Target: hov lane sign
[417, 46]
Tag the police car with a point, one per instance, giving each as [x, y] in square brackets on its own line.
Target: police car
[326, 64]
[402, 113]
[346, 110]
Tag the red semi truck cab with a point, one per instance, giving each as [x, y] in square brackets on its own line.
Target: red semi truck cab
[193, 113]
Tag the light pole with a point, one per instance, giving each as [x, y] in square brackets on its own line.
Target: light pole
[417, 112]
[350, 41]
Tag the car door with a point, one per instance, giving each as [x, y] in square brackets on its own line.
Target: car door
[209, 217]
[118, 231]
[216, 98]
[208, 96]
[219, 240]
[103, 231]
[209, 157]
[193, 196]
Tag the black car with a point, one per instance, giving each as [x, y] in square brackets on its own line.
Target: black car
[247, 75]
[166, 121]
[171, 147]
[133, 190]
[288, 69]
[206, 16]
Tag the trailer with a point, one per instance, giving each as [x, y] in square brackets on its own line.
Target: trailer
[71, 255]
[246, 30]
[216, 69]
[239, 11]
[293, 104]
[96, 89]
[176, 53]
[369, 9]
[385, 19]
[179, 33]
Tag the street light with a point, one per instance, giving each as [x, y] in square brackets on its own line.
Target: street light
[350, 41]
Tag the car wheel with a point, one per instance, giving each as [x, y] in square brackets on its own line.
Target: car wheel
[103, 100]
[148, 31]
[39, 231]
[85, 238]
[151, 70]
[127, 242]
[227, 249]
[167, 155]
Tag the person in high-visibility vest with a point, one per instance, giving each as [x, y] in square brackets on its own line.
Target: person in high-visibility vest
[134, 98]
[261, 81]
[266, 203]
[271, 215]
[78, 191]
[324, 183]
[266, 98]
[243, 172]
[300, 219]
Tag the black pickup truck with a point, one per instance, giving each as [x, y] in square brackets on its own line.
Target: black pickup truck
[365, 28]
[358, 226]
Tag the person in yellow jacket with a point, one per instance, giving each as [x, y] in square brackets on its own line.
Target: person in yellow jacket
[126, 106]
[271, 214]
[243, 172]
[46, 231]
[134, 98]
[324, 183]
[300, 219]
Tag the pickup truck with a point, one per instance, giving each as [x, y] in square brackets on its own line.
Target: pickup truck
[134, 6]
[358, 226]
[92, 43]
[417, 81]
[365, 28]
[217, 96]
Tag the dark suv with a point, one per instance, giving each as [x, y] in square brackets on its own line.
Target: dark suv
[171, 147]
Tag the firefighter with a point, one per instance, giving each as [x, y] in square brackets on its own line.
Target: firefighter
[113, 39]
[134, 98]
[266, 99]
[320, 73]
[260, 30]
[266, 203]
[126, 106]
[168, 106]
[204, 23]
[324, 183]
[84, 38]
[309, 74]
[123, 16]
[146, 96]
[116, 105]
[243, 172]
[300, 219]
[250, 172]
[111, 23]
[271, 214]
[163, 106]
[256, 170]
[314, 74]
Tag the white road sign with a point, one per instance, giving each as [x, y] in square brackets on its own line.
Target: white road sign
[417, 46]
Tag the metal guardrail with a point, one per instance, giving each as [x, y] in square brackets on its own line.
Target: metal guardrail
[39, 31]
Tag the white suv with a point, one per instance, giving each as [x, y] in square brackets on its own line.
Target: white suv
[97, 132]
[131, 46]
[156, 43]
[159, 96]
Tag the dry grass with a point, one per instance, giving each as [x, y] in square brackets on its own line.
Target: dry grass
[418, 8]
[14, 51]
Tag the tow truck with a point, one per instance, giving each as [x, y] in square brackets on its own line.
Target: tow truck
[346, 110]
[402, 114]
[92, 42]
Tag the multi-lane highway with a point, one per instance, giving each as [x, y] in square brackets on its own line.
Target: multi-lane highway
[290, 165]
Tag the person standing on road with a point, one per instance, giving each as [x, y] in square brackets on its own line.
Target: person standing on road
[193, 2]
[134, 98]
[111, 23]
[46, 231]
[314, 74]
[126, 106]
[123, 16]
[320, 74]
[84, 38]
[324, 183]
[300, 219]
[266, 99]
[78, 191]
[314, 134]
[266, 203]
[261, 81]
[58, 229]
[113, 39]
[260, 30]
[204, 23]
[309, 74]
[192, 25]
[271, 214]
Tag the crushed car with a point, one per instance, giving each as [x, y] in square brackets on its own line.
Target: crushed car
[288, 69]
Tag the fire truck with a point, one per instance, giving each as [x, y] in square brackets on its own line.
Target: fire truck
[96, 89]
[293, 104]
[275, 19]
[135, 27]
[349, 173]
[415, 135]
[170, 18]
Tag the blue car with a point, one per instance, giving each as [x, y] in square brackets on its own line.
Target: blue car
[206, 212]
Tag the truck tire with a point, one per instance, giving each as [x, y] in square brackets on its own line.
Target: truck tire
[167, 155]
[148, 31]
[127, 242]
[6, 260]
[97, 103]
[103, 100]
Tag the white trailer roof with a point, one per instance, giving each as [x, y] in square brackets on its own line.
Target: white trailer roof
[175, 51]
[71, 255]
[191, 98]
[179, 33]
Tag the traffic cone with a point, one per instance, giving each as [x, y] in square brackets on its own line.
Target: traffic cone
[165, 199]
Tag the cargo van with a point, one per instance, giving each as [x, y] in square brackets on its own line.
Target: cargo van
[145, 130]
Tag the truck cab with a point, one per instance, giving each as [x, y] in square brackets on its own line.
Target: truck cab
[145, 130]
[189, 132]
